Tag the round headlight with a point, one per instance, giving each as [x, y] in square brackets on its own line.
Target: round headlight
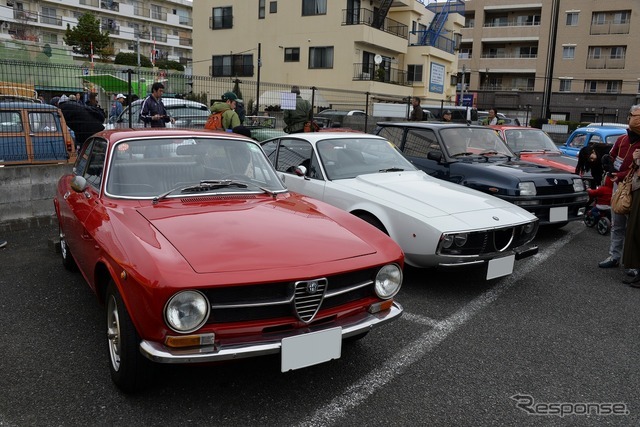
[447, 241]
[186, 311]
[460, 239]
[528, 228]
[388, 281]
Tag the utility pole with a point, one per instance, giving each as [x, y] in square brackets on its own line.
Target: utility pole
[548, 74]
[464, 71]
[258, 78]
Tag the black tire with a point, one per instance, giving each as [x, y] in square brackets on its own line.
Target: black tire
[604, 226]
[130, 370]
[67, 259]
[589, 220]
[373, 221]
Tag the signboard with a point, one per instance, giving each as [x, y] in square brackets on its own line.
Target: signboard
[436, 78]
[468, 99]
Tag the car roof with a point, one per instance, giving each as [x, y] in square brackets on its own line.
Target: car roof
[27, 105]
[603, 130]
[513, 127]
[172, 102]
[319, 136]
[116, 135]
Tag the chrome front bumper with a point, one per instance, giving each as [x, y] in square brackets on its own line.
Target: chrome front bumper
[520, 253]
[271, 344]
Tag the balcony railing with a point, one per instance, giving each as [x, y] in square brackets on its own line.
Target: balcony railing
[92, 3]
[511, 23]
[111, 29]
[24, 15]
[369, 72]
[367, 17]
[159, 37]
[184, 41]
[51, 20]
[141, 11]
[417, 38]
[158, 15]
[183, 20]
[605, 63]
[609, 27]
[110, 5]
[507, 55]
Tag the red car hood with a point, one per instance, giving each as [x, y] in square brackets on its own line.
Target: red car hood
[556, 160]
[252, 235]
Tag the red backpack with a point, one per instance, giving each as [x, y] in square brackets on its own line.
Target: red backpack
[214, 122]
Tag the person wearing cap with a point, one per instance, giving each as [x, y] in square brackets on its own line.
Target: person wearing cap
[446, 116]
[116, 108]
[227, 106]
[295, 119]
[153, 112]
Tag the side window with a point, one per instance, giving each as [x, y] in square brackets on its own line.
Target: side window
[577, 141]
[10, 121]
[43, 122]
[292, 153]
[95, 166]
[83, 158]
[420, 142]
[270, 149]
[595, 138]
[392, 134]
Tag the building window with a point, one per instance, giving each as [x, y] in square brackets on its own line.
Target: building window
[565, 85]
[613, 86]
[572, 19]
[261, 9]
[528, 52]
[568, 52]
[595, 53]
[617, 52]
[621, 17]
[321, 57]
[599, 18]
[292, 54]
[232, 65]
[50, 38]
[314, 7]
[591, 86]
[273, 7]
[414, 73]
[222, 18]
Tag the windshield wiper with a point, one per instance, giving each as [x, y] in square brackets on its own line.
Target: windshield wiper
[391, 170]
[204, 185]
[462, 154]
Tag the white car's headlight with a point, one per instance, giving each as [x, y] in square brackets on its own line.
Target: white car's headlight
[578, 185]
[388, 281]
[527, 188]
[186, 311]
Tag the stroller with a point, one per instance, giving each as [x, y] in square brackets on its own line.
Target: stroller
[598, 212]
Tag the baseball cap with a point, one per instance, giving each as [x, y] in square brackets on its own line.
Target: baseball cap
[63, 98]
[229, 96]
[448, 112]
[118, 96]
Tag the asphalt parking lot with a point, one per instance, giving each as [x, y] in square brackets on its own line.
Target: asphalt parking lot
[536, 347]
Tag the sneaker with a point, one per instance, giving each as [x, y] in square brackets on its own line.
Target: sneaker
[631, 272]
[3, 243]
[609, 263]
[633, 281]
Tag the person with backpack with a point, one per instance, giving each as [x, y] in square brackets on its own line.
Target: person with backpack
[223, 114]
[295, 119]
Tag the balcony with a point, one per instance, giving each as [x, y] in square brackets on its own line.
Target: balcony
[112, 29]
[609, 27]
[367, 17]
[184, 41]
[510, 23]
[92, 3]
[417, 38]
[605, 63]
[24, 15]
[368, 72]
[141, 11]
[158, 15]
[51, 20]
[186, 21]
[159, 37]
[110, 5]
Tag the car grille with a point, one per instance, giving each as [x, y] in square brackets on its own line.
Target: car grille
[488, 242]
[296, 300]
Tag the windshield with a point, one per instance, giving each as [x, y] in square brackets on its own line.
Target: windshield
[468, 141]
[529, 140]
[345, 158]
[149, 167]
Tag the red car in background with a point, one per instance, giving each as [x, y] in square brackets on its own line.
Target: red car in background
[200, 254]
[535, 146]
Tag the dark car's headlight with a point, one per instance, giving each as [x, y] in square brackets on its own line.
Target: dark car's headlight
[578, 185]
[186, 311]
[527, 188]
[388, 281]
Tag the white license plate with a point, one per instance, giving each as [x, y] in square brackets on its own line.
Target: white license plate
[500, 267]
[558, 214]
[310, 349]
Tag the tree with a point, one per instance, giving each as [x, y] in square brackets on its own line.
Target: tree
[86, 32]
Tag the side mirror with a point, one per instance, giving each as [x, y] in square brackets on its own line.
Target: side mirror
[300, 170]
[434, 155]
[78, 184]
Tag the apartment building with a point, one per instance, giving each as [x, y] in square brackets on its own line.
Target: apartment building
[163, 25]
[397, 47]
[562, 59]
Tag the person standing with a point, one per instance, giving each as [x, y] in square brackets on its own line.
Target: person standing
[622, 155]
[416, 110]
[83, 120]
[92, 104]
[295, 119]
[492, 118]
[116, 108]
[153, 111]
[227, 106]
[631, 252]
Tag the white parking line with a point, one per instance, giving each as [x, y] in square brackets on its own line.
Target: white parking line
[358, 392]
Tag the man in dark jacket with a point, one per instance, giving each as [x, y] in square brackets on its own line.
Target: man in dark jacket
[84, 121]
[153, 111]
[295, 119]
